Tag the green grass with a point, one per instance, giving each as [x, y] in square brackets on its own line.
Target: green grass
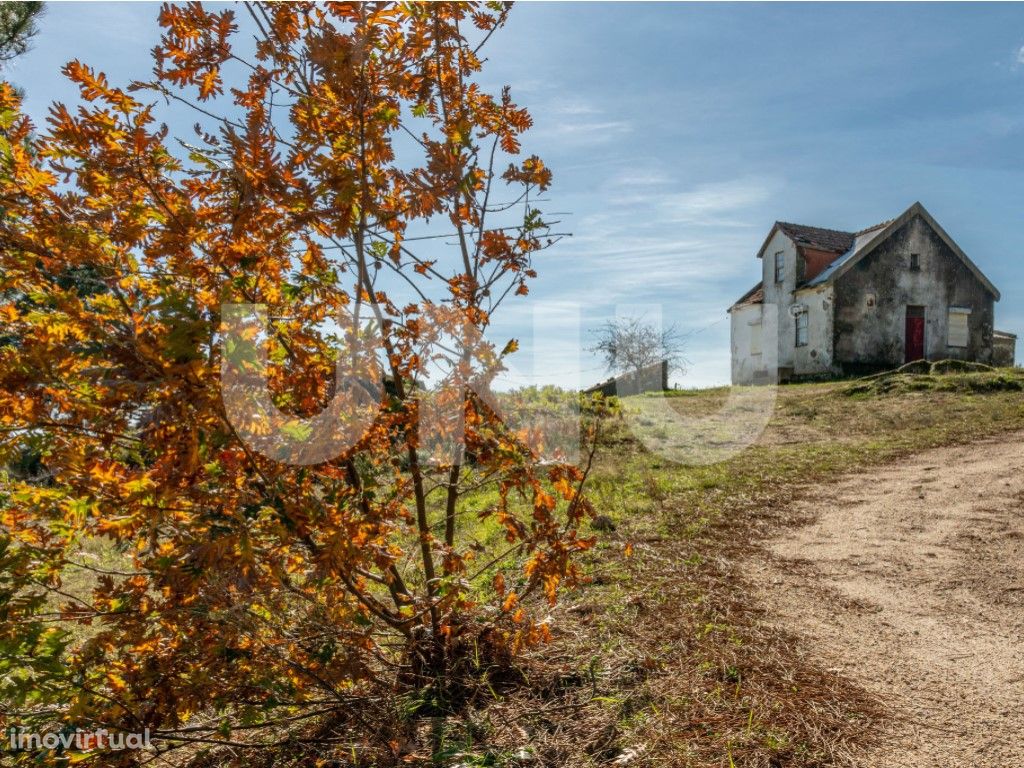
[664, 652]
[701, 518]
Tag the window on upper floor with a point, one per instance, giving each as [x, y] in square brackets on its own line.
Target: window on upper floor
[801, 329]
[915, 262]
[780, 265]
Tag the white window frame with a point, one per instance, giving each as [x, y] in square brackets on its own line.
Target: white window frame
[780, 266]
[802, 322]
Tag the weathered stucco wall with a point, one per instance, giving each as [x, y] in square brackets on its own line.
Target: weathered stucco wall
[745, 362]
[873, 336]
[748, 365]
[815, 359]
[779, 301]
[779, 296]
[1004, 349]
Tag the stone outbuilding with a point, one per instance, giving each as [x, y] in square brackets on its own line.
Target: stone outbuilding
[834, 303]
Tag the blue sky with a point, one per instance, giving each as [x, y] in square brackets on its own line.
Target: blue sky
[678, 134]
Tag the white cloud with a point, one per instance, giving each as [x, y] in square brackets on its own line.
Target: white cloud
[716, 204]
[574, 108]
[574, 122]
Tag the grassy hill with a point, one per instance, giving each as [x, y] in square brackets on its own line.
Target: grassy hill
[664, 658]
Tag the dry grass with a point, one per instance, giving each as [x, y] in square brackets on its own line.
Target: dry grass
[665, 658]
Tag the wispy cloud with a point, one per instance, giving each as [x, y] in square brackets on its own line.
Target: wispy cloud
[717, 204]
[574, 108]
[723, 203]
[576, 123]
[656, 239]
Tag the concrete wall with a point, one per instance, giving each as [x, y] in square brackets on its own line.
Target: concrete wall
[746, 366]
[815, 359]
[779, 296]
[874, 336]
[779, 300]
[1004, 350]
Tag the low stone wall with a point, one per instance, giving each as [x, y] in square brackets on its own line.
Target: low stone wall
[1004, 349]
[653, 378]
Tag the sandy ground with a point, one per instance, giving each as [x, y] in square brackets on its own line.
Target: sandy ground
[909, 579]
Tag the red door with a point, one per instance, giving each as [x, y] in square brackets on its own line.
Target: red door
[915, 334]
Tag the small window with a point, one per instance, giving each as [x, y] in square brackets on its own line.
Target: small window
[780, 266]
[755, 338]
[959, 333]
[915, 262]
[801, 329]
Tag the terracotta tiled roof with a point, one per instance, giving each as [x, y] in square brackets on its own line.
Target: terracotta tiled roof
[754, 296]
[816, 237]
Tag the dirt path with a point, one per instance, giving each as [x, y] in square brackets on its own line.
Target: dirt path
[909, 579]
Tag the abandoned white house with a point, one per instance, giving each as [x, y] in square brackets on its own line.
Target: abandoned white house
[832, 302]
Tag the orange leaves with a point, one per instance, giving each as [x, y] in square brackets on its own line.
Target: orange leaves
[510, 602]
[284, 20]
[543, 502]
[195, 44]
[209, 84]
[248, 572]
[531, 171]
[117, 683]
[496, 245]
[91, 84]
[94, 87]
[106, 472]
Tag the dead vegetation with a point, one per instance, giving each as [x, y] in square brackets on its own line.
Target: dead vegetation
[665, 657]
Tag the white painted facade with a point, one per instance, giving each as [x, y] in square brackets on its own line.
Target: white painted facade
[814, 358]
[747, 340]
[764, 343]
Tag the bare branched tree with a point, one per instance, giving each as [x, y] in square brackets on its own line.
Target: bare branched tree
[628, 345]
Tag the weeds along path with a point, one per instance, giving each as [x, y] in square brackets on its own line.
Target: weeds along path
[909, 581]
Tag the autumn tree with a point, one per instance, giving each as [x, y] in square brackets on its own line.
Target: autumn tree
[272, 404]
